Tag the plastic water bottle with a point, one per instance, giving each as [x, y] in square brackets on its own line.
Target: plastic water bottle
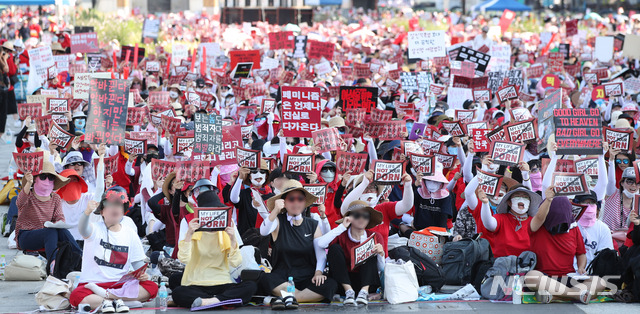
[162, 297]
[76, 282]
[517, 290]
[3, 264]
[291, 287]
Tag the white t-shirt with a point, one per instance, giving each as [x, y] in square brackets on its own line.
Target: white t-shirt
[73, 212]
[596, 238]
[107, 255]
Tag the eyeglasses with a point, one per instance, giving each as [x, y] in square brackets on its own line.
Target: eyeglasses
[622, 161]
[255, 171]
[296, 199]
[630, 182]
[365, 216]
[46, 176]
[75, 164]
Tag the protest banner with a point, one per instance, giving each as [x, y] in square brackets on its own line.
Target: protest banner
[299, 163]
[604, 49]
[453, 128]
[318, 50]
[214, 219]
[522, 132]
[506, 153]
[566, 184]
[59, 136]
[300, 111]
[150, 136]
[417, 130]
[317, 190]
[388, 172]
[482, 95]
[426, 44]
[408, 82]
[588, 166]
[578, 131]
[613, 89]
[358, 97]
[57, 105]
[192, 171]
[327, 139]
[161, 168]
[480, 59]
[464, 116]
[430, 147]
[423, 164]
[480, 140]
[490, 183]
[392, 130]
[208, 133]
[446, 160]
[32, 110]
[29, 162]
[545, 114]
[84, 43]
[183, 144]
[621, 139]
[106, 122]
[363, 251]
[571, 28]
[248, 158]
[506, 93]
[135, 147]
[281, 40]
[353, 162]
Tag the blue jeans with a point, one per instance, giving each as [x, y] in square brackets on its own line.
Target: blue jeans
[46, 238]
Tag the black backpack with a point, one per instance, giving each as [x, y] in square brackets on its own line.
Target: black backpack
[607, 262]
[478, 272]
[459, 257]
[427, 271]
[64, 261]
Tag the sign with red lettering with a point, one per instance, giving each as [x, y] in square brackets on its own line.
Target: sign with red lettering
[578, 131]
[508, 92]
[110, 164]
[32, 110]
[453, 127]
[619, 139]
[480, 141]
[378, 115]
[171, 125]
[268, 105]
[545, 115]
[506, 153]
[613, 89]
[490, 183]
[59, 136]
[183, 144]
[150, 136]
[328, 139]
[535, 71]
[135, 147]
[57, 105]
[446, 160]
[280, 40]
[476, 125]
[29, 162]
[107, 118]
[299, 163]
[158, 98]
[591, 78]
[363, 251]
[161, 168]
[84, 43]
[588, 166]
[248, 158]
[483, 94]
[555, 61]
[423, 164]
[577, 210]
[353, 162]
[566, 184]
[301, 111]
[405, 108]
[571, 28]
[464, 116]
[520, 114]
[437, 89]
[522, 132]
[358, 97]
[317, 190]
[192, 171]
[496, 134]
[318, 50]
[136, 115]
[213, 219]
[245, 56]
[388, 172]
[355, 115]
[392, 130]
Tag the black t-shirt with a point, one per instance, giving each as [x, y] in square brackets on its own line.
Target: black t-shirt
[247, 214]
[431, 212]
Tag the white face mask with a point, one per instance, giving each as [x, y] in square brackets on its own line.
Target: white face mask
[433, 186]
[328, 176]
[629, 194]
[371, 198]
[255, 177]
[517, 200]
[173, 94]
[494, 167]
[31, 139]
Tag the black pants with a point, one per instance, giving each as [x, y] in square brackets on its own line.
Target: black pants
[367, 274]
[175, 280]
[185, 295]
[4, 95]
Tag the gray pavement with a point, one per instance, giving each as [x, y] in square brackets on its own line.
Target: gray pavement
[19, 297]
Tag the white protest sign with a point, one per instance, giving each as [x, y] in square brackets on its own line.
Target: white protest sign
[631, 47]
[178, 53]
[269, 63]
[456, 96]
[82, 83]
[62, 63]
[500, 58]
[40, 60]
[604, 48]
[426, 44]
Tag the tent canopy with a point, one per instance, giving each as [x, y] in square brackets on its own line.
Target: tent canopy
[501, 5]
[27, 2]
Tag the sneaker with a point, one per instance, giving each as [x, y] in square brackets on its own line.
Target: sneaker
[120, 307]
[107, 307]
[350, 297]
[363, 298]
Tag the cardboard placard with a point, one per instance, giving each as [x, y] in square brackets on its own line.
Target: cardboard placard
[446, 160]
[299, 163]
[569, 184]
[248, 158]
[317, 190]
[496, 134]
[430, 147]
[328, 139]
[152, 66]
[423, 164]
[392, 130]
[192, 171]
[29, 162]
[619, 139]
[183, 144]
[158, 98]
[482, 94]
[354, 162]
[464, 116]
[578, 131]
[300, 47]
[522, 132]
[57, 105]
[268, 105]
[136, 115]
[436, 89]
[107, 118]
[490, 183]
[363, 251]
[417, 131]
[161, 168]
[506, 93]
[388, 172]
[135, 147]
[588, 166]
[32, 110]
[150, 136]
[213, 219]
[426, 44]
[480, 140]
[358, 97]
[555, 61]
[571, 28]
[301, 111]
[453, 127]
[207, 133]
[506, 153]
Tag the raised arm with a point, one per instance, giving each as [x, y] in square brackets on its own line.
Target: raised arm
[489, 222]
[470, 193]
[543, 210]
[357, 191]
[406, 203]
[325, 240]
[611, 184]
[601, 186]
[85, 227]
[551, 168]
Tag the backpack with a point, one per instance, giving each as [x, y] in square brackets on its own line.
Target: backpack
[478, 272]
[427, 271]
[64, 261]
[135, 213]
[502, 268]
[459, 257]
[607, 262]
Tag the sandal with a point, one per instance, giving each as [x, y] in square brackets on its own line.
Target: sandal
[290, 303]
[544, 297]
[277, 304]
[585, 297]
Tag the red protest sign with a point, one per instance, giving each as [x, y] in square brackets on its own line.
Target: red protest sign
[522, 132]
[355, 115]
[569, 184]
[619, 139]
[405, 108]
[136, 115]
[317, 190]
[299, 163]
[268, 105]
[423, 164]
[571, 27]
[301, 111]
[358, 97]
[392, 130]
[555, 61]
[231, 138]
[388, 172]
[506, 153]
[84, 43]
[353, 162]
[430, 147]
[437, 89]
[535, 71]
[362, 70]
[363, 251]
[506, 93]
[32, 110]
[213, 219]
[183, 144]
[110, 164]
[29, 162]
[161, 168]
[480, 140]
[507, 17]
[58, 105]
[490, 183]
[248, 158]
[171, 125]
[245, 56]
[59, 136]
[328, 139]
[613, 89]
[280, 40]
[464, 116]
[192, 171]
[318, 50]
[135, 147]
[150, 136]
[454, 128]
[107, 119]
[551, 80]
[378, 115]
[158, 98]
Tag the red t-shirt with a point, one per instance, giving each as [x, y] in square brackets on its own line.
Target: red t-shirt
[347, 245]
[508, 241]
[555, 252]
[480, 226]
[388, 211]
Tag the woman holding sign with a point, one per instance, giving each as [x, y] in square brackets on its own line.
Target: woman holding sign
[294, 253]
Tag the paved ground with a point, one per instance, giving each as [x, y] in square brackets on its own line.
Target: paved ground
[19, 297]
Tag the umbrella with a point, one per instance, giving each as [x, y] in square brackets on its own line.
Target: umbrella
[593, 16]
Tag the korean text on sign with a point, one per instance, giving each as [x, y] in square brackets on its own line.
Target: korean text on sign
[426, 44]
[300, 111]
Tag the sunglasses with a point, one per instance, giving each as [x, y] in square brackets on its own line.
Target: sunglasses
[45, 176]
[365, 216]
[622, 161]
[255, 171]
[630, 181]
[77, 164]
[296, 199]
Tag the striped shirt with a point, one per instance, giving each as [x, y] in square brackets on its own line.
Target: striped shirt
[33, 213]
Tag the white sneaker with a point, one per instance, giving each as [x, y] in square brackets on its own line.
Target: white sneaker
[120, 307]
[107, 307]
[349, 298]
[363, 298]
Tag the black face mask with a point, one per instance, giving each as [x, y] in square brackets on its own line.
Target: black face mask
[184, 198]
[150, 157]
[559, 229]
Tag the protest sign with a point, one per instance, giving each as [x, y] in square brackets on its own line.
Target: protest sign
[480, 59]
[404, 109]
[110, 164]
[135, 147]
[84, 43]
[475, 125]
[301, 111]
[40, 59]
[317, 190]
[417, 131]
[248, 158]
[482, 95]
[506, 153]
[245, 56]
[158, 98]
[152, 66]
[179, 53]
[480, 141]
[506, 93]
[62, 63]
[571, 28]
[578, 131]
[456, 96]
[520, 114]
[522, 132]
[430, 147]
[621, 139]
[299, 163]
[57, 105]
[632, 85]
[29, 162]
[388, 172]
[358, 97]
[565, 50]
[604, 48]
[32, 110]
[453, 128]
[378, 115]
[446, 160]
[280, 40]
[392, 130]
[327, 139]
[631, 46]
[183, 144]
[136, 115]
[545, 115]
[566, 184]
[208, 133]
[408, 82]
[130, 51]
[94, 62]
[423, 164]
[613, 89]
[490, 183]
[43, 124]
[588, 166]
[171, 125]
[59, 136]
[213, 219]
[363, 251]
[437, 89]
[231, 138]
[192, 171]
[150, 136]
[411, 147]
[354, 115]
[353, 162]
[150, 28]
[300, 47]
[59, 118]
[107, 118]
[555, 61]
[426, 44]
[161, 168]
[496, 134]
[500, 58]
[577, 210]
[464, 116]
[318, 50]
[535, 71]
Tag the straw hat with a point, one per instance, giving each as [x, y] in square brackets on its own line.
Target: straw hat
[56, 46]
[534, 203]
[166, 185]
[8, 45]
[291, 186]
[48, 168]
[374, 220]
[336, 122]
